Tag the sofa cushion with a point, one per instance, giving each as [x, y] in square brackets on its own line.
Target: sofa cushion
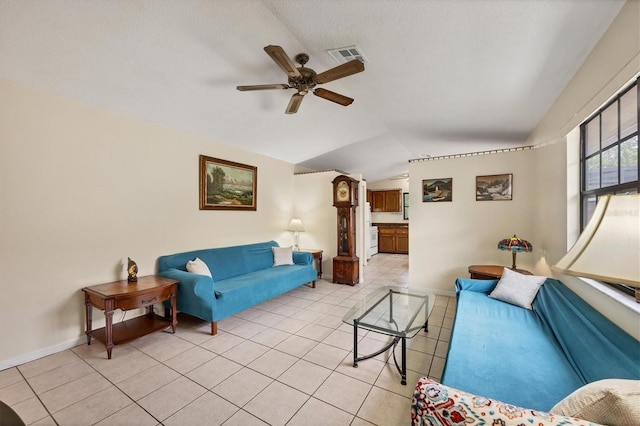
[282, 256]
[517, 289]
[243, 291]
[197, 266]
[225, 262]
[615, 402]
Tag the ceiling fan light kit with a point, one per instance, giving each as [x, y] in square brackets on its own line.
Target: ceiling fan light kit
[304, 79]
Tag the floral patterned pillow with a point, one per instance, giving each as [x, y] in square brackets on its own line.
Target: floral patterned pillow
[439, 405]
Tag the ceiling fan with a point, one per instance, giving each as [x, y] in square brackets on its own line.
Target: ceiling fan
[304, 79]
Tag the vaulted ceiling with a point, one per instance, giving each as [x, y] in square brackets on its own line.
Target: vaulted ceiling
[442, 77]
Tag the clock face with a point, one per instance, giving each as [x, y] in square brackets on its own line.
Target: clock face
[342, 191]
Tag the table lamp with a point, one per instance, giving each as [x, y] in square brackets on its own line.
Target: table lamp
[514, 245]
[296, 226]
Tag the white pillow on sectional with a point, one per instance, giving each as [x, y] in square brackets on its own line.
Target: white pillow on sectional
[197, 266]
[517, 289]
[614, 402]
[282, 256]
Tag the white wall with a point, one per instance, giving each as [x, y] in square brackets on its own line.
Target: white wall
[614, 61]
[82, 189]
[446, 237]
[550, 175]
[314, 205]
[540, 177]
[611, 64]
[550, 207]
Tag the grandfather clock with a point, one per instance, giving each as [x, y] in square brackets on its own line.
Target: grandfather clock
[346, 265]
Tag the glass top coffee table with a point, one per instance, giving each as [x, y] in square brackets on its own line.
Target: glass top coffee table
[396, 311]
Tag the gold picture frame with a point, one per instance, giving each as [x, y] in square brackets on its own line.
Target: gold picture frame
[437, 190]
[494, 187]
[226, 185]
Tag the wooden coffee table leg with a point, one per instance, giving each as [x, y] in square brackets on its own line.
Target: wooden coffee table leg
[89, 317]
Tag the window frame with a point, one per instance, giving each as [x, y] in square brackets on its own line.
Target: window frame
[619, 188]
[405, 206]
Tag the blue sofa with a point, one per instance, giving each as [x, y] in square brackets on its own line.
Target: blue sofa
[533, 358]
[242, 276]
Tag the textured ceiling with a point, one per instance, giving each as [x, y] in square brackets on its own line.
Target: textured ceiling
[443, 77]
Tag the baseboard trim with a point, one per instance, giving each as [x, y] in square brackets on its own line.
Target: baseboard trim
[31, 356]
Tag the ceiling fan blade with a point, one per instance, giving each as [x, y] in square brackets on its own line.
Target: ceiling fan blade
[281, 58]
[333, 96]
[344, 70]
[262, 87]
[294, 103]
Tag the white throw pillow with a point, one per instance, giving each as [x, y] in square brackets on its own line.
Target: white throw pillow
[517, 289]
[197, 266]
[613, 402]
[282, 256]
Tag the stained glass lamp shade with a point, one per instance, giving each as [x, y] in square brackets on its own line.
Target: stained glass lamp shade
[514, 245]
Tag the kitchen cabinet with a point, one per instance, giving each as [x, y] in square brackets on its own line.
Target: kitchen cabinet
[377, 201]
[388, 200]
[393, 239]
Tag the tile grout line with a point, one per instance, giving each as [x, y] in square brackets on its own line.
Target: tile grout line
[37, 397]
[292, 300]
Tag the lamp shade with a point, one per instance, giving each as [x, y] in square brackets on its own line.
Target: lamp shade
[516, 244]
[609, 247]
[296, 225]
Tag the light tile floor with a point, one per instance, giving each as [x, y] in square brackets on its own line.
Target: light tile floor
[286, 361]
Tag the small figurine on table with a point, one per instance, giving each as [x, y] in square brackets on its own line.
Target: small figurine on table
[132, 270]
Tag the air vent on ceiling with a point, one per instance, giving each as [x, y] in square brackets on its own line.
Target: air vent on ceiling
[345, 54]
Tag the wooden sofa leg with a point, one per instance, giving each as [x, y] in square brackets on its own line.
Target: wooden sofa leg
[313, 284]
[214, 328]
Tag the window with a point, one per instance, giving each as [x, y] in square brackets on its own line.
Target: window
[405, 205]
[609, 153]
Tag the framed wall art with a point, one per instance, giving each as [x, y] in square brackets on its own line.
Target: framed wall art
[434, 190]
[494, 187]
[225, 185]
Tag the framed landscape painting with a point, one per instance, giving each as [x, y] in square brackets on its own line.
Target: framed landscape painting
[434, 190]
[225, 185]
[494, 187]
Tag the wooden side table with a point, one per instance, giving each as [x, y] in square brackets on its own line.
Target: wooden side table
[317, 256]
[490, 272]
[125, 295]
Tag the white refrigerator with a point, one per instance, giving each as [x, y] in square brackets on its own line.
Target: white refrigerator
[367, 229]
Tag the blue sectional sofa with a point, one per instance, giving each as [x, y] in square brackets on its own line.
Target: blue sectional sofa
[533, 358]
[524, 358]
[242, 276]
